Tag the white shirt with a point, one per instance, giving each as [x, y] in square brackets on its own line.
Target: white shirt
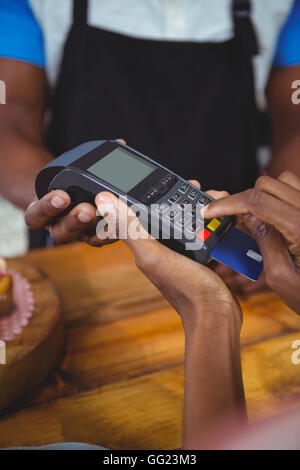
[183, 20]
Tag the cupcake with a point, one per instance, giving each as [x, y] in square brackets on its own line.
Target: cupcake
[6, 294]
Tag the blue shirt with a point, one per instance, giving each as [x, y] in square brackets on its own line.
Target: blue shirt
[20, 34]
[288, 44]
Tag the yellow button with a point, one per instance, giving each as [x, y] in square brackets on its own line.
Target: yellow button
[213, 225]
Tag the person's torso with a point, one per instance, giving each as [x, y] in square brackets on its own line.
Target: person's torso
[178, 20]
[188, 104]
[168, 76]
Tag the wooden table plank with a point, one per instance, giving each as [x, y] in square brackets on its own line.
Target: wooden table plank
[97, 280]
[272, 381]
[120, 381]
[104, 353]
[145, 412]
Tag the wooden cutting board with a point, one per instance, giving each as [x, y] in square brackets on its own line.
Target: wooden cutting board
[34, 352]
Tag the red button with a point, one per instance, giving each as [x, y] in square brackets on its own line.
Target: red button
[203, 235]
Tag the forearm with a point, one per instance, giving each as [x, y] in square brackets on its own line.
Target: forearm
[22, 153]
[285, 120]
[286, 156]
[21, 158]
[213, 378]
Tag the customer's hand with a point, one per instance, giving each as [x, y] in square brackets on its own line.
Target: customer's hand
[212, 321]
[238, 284]
[78, 225]
[191, 288]
[271, 212]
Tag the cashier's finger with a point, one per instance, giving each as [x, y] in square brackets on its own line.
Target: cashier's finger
[40, 213]
[195, 183]
[74, 225]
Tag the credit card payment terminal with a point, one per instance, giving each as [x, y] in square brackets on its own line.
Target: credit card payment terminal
[168, 206]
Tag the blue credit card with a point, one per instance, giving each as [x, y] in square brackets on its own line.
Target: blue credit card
[240, 252]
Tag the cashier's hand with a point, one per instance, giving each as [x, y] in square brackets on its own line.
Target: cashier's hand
[78, 225]
[271, 212]
[191, 288]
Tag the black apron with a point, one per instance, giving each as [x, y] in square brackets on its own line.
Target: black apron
[188, 105]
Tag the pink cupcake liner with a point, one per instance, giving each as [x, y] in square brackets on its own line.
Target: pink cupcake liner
[13, 323]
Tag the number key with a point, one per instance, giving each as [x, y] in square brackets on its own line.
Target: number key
[174, 198]
[193, 194]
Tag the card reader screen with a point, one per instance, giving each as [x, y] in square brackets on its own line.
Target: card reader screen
[122, 169]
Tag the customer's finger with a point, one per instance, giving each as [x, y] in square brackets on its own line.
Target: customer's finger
[280, 189]
[128, 226]
[72, 226]
[151, 257]
[212, 193]
[274, 250]
[41, 212]
[263, 206]
[291, 179]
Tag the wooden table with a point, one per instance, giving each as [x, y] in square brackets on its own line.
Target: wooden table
[120, 380]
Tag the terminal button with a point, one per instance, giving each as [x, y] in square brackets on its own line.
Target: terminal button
[203, 200]
[174, 198]
[203, 235]
[147, 198]
[193, 194]
[183, 188]
[162, 207]
[185, 204]
[169, 180]
[159, 186]
[213, 225]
